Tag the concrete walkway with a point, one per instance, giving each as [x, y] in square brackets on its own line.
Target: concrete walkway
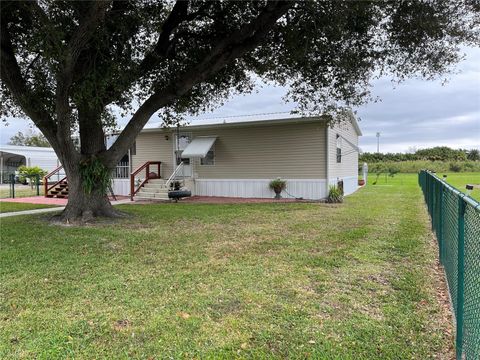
[47, 210]
[48, 201]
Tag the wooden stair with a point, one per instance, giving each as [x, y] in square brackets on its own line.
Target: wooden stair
[60, 191]
[56, 189]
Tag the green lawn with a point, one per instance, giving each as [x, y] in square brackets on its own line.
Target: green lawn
[20, 191]
[458, 180]
[11, 207]
[350, 281]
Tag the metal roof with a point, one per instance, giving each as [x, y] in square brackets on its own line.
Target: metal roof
[225, 123]
[35, 156]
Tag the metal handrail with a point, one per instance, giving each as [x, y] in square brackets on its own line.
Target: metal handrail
[174, 174]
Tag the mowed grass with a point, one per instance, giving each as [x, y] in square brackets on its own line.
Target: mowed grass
[12, 207]
[20, 191]
[458, 180]
[319, 281]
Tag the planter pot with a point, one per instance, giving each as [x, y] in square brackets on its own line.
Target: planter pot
[361, 182]
[277, 193]
[152, 175]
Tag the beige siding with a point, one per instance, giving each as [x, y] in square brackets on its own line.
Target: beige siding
[154, 147]
[292, 151]
[349, 164]
[295, 151]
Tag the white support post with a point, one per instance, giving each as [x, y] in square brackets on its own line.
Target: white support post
[1, 168]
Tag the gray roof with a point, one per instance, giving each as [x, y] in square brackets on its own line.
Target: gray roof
[249, 121]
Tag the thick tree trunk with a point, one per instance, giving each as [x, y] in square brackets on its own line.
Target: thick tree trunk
[83, 207]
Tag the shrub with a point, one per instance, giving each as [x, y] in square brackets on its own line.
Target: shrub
[335, 195]
[393, 170]
[456, 167]
[417, 165]
[474, 155]
[278, 185]
[31, 173]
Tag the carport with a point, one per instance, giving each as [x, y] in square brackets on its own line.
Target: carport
[13, 156]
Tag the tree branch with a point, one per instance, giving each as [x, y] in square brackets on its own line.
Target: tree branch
[160, 51]
[78, 42]
[12, 77]
[175, 18]
[223, 52]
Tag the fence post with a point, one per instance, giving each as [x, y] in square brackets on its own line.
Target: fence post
[434, 203]
[461, 276]
[12, 185]
[440, 226]
[430, 194]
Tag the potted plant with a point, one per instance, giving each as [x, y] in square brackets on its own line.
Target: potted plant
[278, 185]
[361, 182]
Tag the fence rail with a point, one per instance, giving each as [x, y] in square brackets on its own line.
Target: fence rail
[456, 222]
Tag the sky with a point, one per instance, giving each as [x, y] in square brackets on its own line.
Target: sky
[412, 115]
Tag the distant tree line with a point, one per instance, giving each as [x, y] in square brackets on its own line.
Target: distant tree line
[439, 153]
[31, 138]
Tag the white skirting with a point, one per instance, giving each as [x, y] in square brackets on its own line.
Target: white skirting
[350, 184]
[255, 188]
[121, 186]
[258, 188]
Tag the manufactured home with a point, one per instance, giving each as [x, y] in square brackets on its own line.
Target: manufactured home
[239, 159]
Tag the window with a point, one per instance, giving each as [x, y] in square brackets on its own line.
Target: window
[339, 149]
[183, 141]
[209, 159]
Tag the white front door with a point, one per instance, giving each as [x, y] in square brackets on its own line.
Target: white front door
[181, 142]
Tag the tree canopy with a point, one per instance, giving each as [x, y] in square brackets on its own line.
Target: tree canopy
[68, 64]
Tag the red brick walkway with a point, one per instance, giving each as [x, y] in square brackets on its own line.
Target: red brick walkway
[235, 200]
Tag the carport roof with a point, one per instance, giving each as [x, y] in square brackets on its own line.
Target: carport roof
[26, 150]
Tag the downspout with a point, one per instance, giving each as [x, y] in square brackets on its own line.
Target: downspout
[327, 162]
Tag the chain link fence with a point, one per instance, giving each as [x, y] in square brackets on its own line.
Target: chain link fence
[13, 187]
[456, 222]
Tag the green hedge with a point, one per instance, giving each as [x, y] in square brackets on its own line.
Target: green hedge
[417, 165]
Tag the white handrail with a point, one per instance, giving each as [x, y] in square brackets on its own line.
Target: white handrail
[172, 177]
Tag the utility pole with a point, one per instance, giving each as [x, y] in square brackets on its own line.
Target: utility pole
[378, 143]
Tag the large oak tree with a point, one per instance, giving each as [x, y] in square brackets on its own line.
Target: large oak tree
[67, 64]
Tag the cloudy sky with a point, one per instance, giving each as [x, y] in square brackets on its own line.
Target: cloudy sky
[414, 114]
